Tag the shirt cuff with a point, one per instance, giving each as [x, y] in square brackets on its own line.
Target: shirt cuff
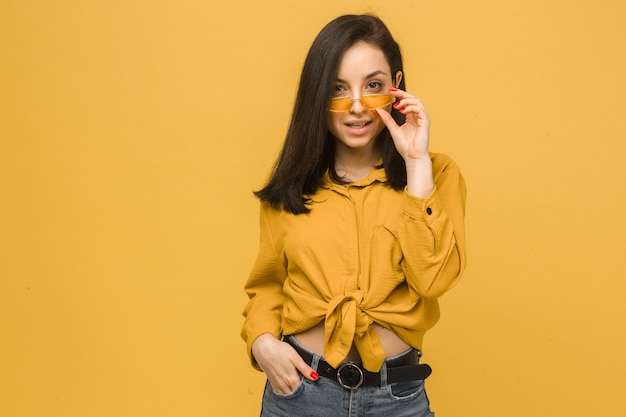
[423, 209]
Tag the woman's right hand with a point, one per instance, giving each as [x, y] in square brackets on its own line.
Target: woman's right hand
[281, 363]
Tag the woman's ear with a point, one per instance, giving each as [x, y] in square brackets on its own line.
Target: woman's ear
[398, 78]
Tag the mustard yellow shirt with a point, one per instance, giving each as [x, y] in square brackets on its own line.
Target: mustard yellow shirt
[364, 254]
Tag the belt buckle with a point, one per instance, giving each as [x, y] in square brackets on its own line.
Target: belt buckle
[350, 376]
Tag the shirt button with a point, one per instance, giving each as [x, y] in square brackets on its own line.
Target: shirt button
[429, 211]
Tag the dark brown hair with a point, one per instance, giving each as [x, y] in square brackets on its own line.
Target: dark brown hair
[309, 148]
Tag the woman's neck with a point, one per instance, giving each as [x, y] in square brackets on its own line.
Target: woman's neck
[355, 164]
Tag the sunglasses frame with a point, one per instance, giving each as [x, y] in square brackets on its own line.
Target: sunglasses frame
[365, 96]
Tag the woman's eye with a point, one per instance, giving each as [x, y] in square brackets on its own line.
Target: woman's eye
[373, 85]
[340, 91]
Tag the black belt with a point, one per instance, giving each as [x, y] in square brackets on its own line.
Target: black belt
[352, 375]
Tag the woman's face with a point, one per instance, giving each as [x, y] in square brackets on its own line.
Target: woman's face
[363, 71]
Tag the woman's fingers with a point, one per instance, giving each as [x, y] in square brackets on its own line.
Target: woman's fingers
[411, 139]
[281, 363]
[406, 102]
[305, 369]
[287, 378]
[412, 105]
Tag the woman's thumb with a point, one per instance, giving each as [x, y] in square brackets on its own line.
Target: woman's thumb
[387, 119]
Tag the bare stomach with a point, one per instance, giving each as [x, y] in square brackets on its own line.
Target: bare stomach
[313, 340]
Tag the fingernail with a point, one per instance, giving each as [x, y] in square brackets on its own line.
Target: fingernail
[396, 104]
[315, 375]
[394, 88]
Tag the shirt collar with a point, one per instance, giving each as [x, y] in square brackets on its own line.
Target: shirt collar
[377, 174]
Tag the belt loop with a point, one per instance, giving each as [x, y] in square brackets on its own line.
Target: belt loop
[383, 376]
[315, 363]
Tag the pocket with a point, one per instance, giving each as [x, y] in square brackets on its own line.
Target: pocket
[291, 394]
[406, 390]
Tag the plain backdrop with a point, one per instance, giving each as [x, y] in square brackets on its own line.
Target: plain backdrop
[133, 132]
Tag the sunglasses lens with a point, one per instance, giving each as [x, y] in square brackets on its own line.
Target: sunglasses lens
[340, 104]
[374, 102]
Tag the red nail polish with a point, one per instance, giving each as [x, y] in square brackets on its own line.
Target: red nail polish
[394, 88]
[396, 104]
[315, 375]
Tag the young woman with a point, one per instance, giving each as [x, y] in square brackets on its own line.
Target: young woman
[362, 229]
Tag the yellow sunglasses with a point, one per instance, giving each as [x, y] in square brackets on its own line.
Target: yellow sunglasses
[369, 102]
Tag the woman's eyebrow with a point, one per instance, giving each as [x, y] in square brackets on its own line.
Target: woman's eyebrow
[368, 76]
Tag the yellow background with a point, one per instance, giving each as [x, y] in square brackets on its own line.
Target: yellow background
[133, 132]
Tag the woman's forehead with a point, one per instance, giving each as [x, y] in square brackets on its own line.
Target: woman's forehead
[364, 61]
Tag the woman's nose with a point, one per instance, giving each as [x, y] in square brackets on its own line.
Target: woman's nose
[357, 106]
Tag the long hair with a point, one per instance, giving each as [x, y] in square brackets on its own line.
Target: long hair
[309, 149]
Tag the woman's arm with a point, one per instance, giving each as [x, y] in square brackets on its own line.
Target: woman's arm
[432, 230]
[263, 317]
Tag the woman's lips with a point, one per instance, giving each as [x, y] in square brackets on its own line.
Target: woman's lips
[359, 126]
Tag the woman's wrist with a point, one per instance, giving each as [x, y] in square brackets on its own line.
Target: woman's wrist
[262, 340]
[419, 177]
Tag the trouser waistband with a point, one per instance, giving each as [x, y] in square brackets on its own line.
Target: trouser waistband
[351, 375]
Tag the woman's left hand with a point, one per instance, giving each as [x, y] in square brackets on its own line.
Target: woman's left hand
[411, 139]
